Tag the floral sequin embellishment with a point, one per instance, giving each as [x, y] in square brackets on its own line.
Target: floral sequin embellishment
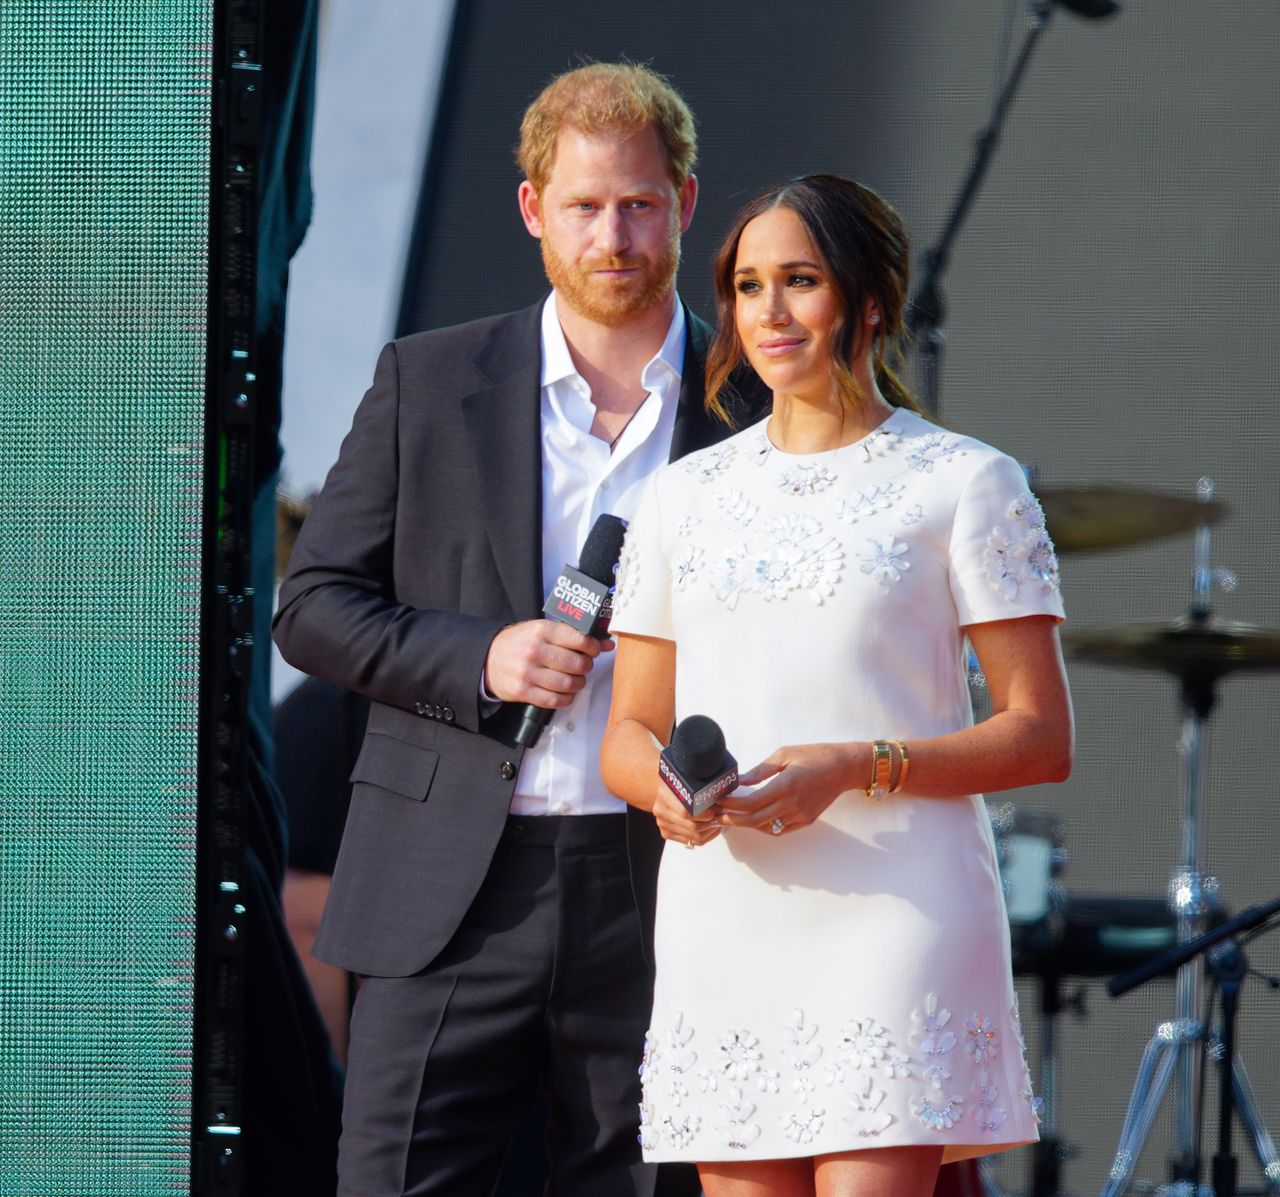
[868, 1118]
[680, 1131]
[1025, 554]
[880, 443]
[648, 1134]
[791, 530]
[931, 1035]
[806, 479]
[738, 1130]
[868, 502]
[1027, 510]
[989, 1115]
[800, 1126]
[801, 1051]
[678, 1055]
[937, 1115]
[937, 1074]
[883, 558]
[649, 1060]
[864, 1043]
[933, 450]
[686, 524]
[739, 1055]
[736, 509]
[707, 465]
[775, 572]
[897, 1065]
[981, 1039]
[627, 575]
[758, 447]
[684, 569]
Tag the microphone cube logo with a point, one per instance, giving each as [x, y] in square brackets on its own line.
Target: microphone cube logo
[577, 599]
[697, 800]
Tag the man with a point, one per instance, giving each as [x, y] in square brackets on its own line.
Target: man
[496, 900]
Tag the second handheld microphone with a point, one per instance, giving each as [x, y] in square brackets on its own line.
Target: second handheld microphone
[696, 766]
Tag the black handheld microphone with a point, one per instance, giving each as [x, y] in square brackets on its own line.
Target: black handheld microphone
[696, 766]
[582, 598]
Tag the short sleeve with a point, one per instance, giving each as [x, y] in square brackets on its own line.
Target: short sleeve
[642, 599]
[1003, 564]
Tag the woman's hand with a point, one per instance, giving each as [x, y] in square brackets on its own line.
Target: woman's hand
[807, 778]
[676, 823]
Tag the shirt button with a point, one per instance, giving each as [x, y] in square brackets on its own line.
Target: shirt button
[569, 726]
[508, 770]
[605, 484]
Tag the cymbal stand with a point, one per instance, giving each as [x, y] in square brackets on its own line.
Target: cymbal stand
[1174, 1052]
[1224, 955]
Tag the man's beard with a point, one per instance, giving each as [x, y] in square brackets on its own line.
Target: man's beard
[604, 301]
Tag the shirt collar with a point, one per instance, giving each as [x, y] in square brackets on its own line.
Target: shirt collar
[557, 361]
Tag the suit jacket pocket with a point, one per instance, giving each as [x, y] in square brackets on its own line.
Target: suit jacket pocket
[395, 765]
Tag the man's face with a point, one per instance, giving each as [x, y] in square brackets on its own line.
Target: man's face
[610, 220]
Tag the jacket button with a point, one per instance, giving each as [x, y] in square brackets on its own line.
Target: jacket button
[508, 770]
[419, 709]
[448, 714]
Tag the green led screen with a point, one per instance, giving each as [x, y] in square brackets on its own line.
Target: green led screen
[104, 169]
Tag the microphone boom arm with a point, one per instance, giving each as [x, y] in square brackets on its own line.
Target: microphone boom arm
[928, 309]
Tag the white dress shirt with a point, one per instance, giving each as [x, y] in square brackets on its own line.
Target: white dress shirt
[582, 479]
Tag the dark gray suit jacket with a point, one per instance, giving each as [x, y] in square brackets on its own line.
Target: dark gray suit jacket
[424, 542]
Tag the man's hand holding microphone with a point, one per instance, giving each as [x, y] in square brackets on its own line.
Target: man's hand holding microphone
[544, 662]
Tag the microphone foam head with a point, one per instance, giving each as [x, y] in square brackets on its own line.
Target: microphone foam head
[599, 559]
[697, 748]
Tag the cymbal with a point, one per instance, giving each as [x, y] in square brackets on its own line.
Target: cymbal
[1186, 648]
[1084, 519]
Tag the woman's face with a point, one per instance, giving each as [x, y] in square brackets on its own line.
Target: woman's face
[786, 307]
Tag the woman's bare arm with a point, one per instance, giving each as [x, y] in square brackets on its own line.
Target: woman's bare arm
[1028, 739]
[640, 721]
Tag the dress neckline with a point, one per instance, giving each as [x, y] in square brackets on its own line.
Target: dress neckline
[880, 429]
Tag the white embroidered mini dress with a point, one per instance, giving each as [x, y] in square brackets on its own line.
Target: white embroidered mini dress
[846, 985]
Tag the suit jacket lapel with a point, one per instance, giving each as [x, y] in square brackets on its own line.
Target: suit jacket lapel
[504, 425]
[693, 427]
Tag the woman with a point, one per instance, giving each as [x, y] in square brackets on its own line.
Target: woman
[834, 1009]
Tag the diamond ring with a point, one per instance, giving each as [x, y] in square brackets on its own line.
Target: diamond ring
[690, 844]
[777, 826]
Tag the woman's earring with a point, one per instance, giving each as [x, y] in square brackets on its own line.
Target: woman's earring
[874, 318]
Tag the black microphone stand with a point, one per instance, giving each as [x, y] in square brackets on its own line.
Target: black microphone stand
[1229, 967]
[928, 308]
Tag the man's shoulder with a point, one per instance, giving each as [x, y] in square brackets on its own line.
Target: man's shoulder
[509, 336]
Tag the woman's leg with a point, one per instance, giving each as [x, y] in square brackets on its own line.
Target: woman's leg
[757, 1178]
[883, 1172]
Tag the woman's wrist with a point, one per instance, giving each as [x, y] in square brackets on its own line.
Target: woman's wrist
[880, 767]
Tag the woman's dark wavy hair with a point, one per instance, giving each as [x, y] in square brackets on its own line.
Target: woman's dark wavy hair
[863, 246]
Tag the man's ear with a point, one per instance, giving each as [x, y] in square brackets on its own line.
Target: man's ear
[530, 208]
[688, 201]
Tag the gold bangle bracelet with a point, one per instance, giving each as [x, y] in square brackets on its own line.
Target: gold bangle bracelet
[906, 767]
[881, 767]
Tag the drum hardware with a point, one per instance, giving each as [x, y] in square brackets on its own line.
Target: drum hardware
[1198, 651]
[1223, 952]
[1088, 519]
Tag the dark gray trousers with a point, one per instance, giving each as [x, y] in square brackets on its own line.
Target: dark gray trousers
[545, 977]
